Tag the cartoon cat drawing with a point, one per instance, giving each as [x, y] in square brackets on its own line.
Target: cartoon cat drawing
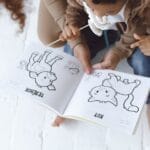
[111, 87]
[103, 94]
[40, 69]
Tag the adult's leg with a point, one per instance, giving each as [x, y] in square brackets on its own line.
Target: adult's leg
[141, 66]
[48, 29]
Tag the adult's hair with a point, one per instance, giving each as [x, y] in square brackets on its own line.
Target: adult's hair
[141, 10]
[16, 9]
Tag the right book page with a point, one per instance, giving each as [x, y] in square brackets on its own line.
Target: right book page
[110, 98]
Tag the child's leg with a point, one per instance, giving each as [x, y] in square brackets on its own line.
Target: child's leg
[48, 29]
[140, 64]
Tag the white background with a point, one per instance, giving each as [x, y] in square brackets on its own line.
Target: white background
[25, 125]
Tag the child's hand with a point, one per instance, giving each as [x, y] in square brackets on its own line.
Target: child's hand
[110, 61]
[81, 51]
[143, 42]
[69, 33]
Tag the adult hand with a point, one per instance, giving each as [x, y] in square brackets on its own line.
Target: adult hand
[110, 61]
[143, 42]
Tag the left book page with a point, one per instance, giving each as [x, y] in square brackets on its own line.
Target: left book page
[48, 76]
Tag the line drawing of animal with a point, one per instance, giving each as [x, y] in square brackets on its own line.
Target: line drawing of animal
[40, 69]
[111, 87]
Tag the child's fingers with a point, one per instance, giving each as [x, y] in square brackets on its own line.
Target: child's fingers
[84, 57]
[61, 37]
[68, 34]
[75, 30]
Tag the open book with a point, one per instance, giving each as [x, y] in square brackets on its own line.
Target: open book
[56, 80]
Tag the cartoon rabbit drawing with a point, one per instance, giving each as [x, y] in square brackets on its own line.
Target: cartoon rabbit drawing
[40, 69]
[107, 92]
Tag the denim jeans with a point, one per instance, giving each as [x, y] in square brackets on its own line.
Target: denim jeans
[140, 64]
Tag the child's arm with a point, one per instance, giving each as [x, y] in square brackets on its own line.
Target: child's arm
[76, 18]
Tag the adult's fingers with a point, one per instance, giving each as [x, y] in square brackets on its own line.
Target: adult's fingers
[102, 65]
[136, 44]
[137, 37]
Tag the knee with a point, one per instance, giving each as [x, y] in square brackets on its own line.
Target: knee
[140, 68]
[140, 63]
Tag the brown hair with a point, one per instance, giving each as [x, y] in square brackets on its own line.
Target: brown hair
[75, 14]
[140, 10]
[16, 9]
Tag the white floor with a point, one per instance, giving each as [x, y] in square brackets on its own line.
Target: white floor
[25, 125]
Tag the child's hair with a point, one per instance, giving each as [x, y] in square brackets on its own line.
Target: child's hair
[139, 8]
[104, 1]
[16, 9]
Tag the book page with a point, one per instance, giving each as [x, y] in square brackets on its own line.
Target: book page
[47, 76]
[110, 98]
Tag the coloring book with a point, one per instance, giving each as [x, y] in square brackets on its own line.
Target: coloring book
[57, 81]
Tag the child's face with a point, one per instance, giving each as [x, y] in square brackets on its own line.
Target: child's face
[105, 9]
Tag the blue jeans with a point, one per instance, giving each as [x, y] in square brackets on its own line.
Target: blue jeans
[140, 64]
